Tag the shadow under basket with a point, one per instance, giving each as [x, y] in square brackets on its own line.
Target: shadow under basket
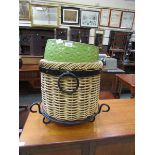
[70, 92]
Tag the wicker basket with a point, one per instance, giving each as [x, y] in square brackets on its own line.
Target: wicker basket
[70, 91]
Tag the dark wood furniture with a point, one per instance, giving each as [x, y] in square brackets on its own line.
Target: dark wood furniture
[31, 74]
[118, 39]
[127, 79]
[117, 53]
[33, 40]
[79, 34]
[108, 78]
[106, 95]
[118, 44]
[110, 134]
[61, 33]
[98, 42]
[129, 67]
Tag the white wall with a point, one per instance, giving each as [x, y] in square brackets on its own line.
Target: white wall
[106, 3]
[123, 4]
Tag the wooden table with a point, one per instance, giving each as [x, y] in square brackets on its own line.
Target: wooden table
[128, 79]
[112, 133]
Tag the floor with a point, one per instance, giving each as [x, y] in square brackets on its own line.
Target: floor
[28, 99]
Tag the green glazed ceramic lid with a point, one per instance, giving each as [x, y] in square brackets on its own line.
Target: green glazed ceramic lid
[69, 51]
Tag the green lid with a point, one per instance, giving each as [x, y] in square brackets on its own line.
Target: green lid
[69, 51]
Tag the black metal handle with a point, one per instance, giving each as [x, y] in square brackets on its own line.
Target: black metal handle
[71, 75]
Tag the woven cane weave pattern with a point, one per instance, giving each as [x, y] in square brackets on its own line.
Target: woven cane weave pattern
[76, 106]
[71, 66]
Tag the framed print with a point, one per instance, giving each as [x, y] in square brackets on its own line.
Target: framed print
[24, 10]
[44, 15]
[127, 20]
[115, 18]
[70, 15]
[104, 17]
[89, 18]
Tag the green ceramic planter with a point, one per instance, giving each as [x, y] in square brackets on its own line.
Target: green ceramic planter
[68, 51]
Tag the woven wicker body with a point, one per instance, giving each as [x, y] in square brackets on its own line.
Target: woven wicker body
[64, 103]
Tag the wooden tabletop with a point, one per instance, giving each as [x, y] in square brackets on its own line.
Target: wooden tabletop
[118, 122]
[127, 78]
[129, 64]
[26, 68]
[117, 50]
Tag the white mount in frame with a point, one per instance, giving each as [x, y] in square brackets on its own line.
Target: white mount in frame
[127, 20]
[44, 15]
[104, 17]
[115, 18]
[89, 18]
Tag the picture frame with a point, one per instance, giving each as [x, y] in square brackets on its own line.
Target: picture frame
[89, 18]
[104, 17]
[115, 18]
[127, 20]
[70, 15]
[44, 15]
[24, 10]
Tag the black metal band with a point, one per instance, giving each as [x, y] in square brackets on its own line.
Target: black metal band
[56, 72]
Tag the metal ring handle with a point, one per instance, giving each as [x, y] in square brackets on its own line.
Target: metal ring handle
[71, 75]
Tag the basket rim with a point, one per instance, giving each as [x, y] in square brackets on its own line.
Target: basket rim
[98, 65]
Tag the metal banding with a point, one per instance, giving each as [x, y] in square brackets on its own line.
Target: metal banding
[56, 72]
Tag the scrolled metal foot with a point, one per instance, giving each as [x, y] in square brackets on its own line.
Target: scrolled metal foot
[46, 122]
[92, 119]
[38, 104]
[100, 107]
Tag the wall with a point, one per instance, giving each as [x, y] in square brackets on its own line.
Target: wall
[123, 4]
[91, 4]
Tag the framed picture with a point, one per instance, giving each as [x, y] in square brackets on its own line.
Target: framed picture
[89, 18]
[115, 18]
[104, 17]
[127, 20]
[24, 10]
[44, 15]
[70, 15]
